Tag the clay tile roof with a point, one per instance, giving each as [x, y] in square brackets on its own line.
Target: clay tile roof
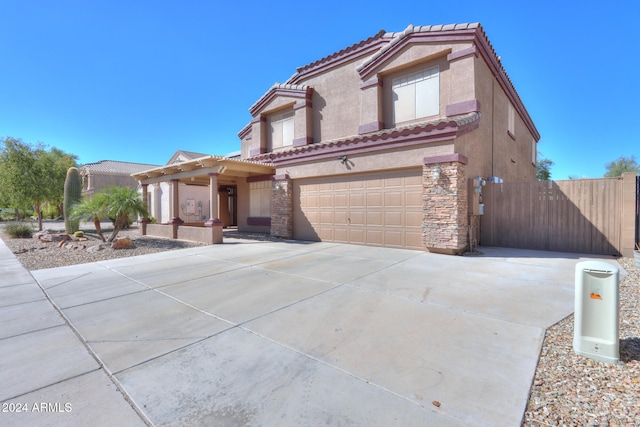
[116, 167]
[276, 87]
[424, 128]
[342, 52]
[397, 37]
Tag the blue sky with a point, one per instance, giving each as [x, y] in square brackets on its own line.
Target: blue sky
[137, 80]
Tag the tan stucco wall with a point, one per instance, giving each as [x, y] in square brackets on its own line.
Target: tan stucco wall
[490, 149]
[96, 182]
[367, 162]
[243, 210]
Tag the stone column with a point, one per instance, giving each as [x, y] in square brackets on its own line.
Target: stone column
[445, 204]
[282, 207]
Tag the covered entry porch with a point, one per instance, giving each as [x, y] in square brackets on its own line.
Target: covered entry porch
[193, 200]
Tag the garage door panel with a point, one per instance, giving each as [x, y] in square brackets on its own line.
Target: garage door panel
[356, 218]
[341, 235]
[326, 201]
[393, 218]
[340, 200]
[374, 200]
[326, 217]
[340, 217]
[373, 183]
[374, 237]
[413, 240]
[382, 209]
[393, 199]
[356, 200]
[413, 219]
[393, 238]
[374, 218]
[393, 182]
[413, 199]
[356, 235]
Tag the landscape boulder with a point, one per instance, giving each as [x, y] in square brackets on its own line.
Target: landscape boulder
[122, 243]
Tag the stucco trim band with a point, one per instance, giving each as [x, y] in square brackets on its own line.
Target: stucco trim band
[446, 158]
[370, 127]
[464, 107]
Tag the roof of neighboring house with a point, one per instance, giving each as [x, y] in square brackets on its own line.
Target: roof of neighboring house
[183, 156]
[115, 167]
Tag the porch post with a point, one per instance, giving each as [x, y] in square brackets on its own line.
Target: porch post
[175, 205]
[214, 216]
[145, 197]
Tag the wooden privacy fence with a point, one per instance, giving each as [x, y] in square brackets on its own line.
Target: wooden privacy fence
[569, 216]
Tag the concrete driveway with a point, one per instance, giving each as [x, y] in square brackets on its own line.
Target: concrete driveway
[280, 334]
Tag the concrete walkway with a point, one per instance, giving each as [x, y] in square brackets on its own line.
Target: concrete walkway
[279, 334]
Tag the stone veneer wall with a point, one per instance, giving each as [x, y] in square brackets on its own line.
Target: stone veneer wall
[282, 207]
[444, 206]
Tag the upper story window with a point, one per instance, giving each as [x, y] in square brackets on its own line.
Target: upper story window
[281, 129]
[416, 95]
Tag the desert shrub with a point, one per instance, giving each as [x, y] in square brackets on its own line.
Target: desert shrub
[18, 230]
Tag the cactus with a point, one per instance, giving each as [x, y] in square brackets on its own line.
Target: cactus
[72, 193]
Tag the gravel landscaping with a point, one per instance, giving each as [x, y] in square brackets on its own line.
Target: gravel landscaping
[568, 390]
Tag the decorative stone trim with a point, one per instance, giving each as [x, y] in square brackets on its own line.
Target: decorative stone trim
[282, 207]
[445, 206]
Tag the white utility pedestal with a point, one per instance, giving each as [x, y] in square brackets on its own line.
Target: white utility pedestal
[596, 329]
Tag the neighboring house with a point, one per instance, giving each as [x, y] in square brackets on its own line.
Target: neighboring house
[386, 142]
[105, 173]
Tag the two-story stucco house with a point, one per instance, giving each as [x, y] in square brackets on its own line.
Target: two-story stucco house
[379, 143]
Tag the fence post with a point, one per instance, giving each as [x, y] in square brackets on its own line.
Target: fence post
[628, 231]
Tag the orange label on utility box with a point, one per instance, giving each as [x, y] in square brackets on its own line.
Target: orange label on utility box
[595, 296]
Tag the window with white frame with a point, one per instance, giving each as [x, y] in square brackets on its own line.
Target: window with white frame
[260, 199]
[416, 95]
[282, 129]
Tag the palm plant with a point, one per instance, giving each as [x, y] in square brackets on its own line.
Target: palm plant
[123, 202]
[93, 208]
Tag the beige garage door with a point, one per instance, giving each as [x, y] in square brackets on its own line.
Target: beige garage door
[379, 209]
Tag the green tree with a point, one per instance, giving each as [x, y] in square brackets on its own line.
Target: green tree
[620, 166]
[122, 203]
[29, 175]
[543, 168]
[93, 208]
